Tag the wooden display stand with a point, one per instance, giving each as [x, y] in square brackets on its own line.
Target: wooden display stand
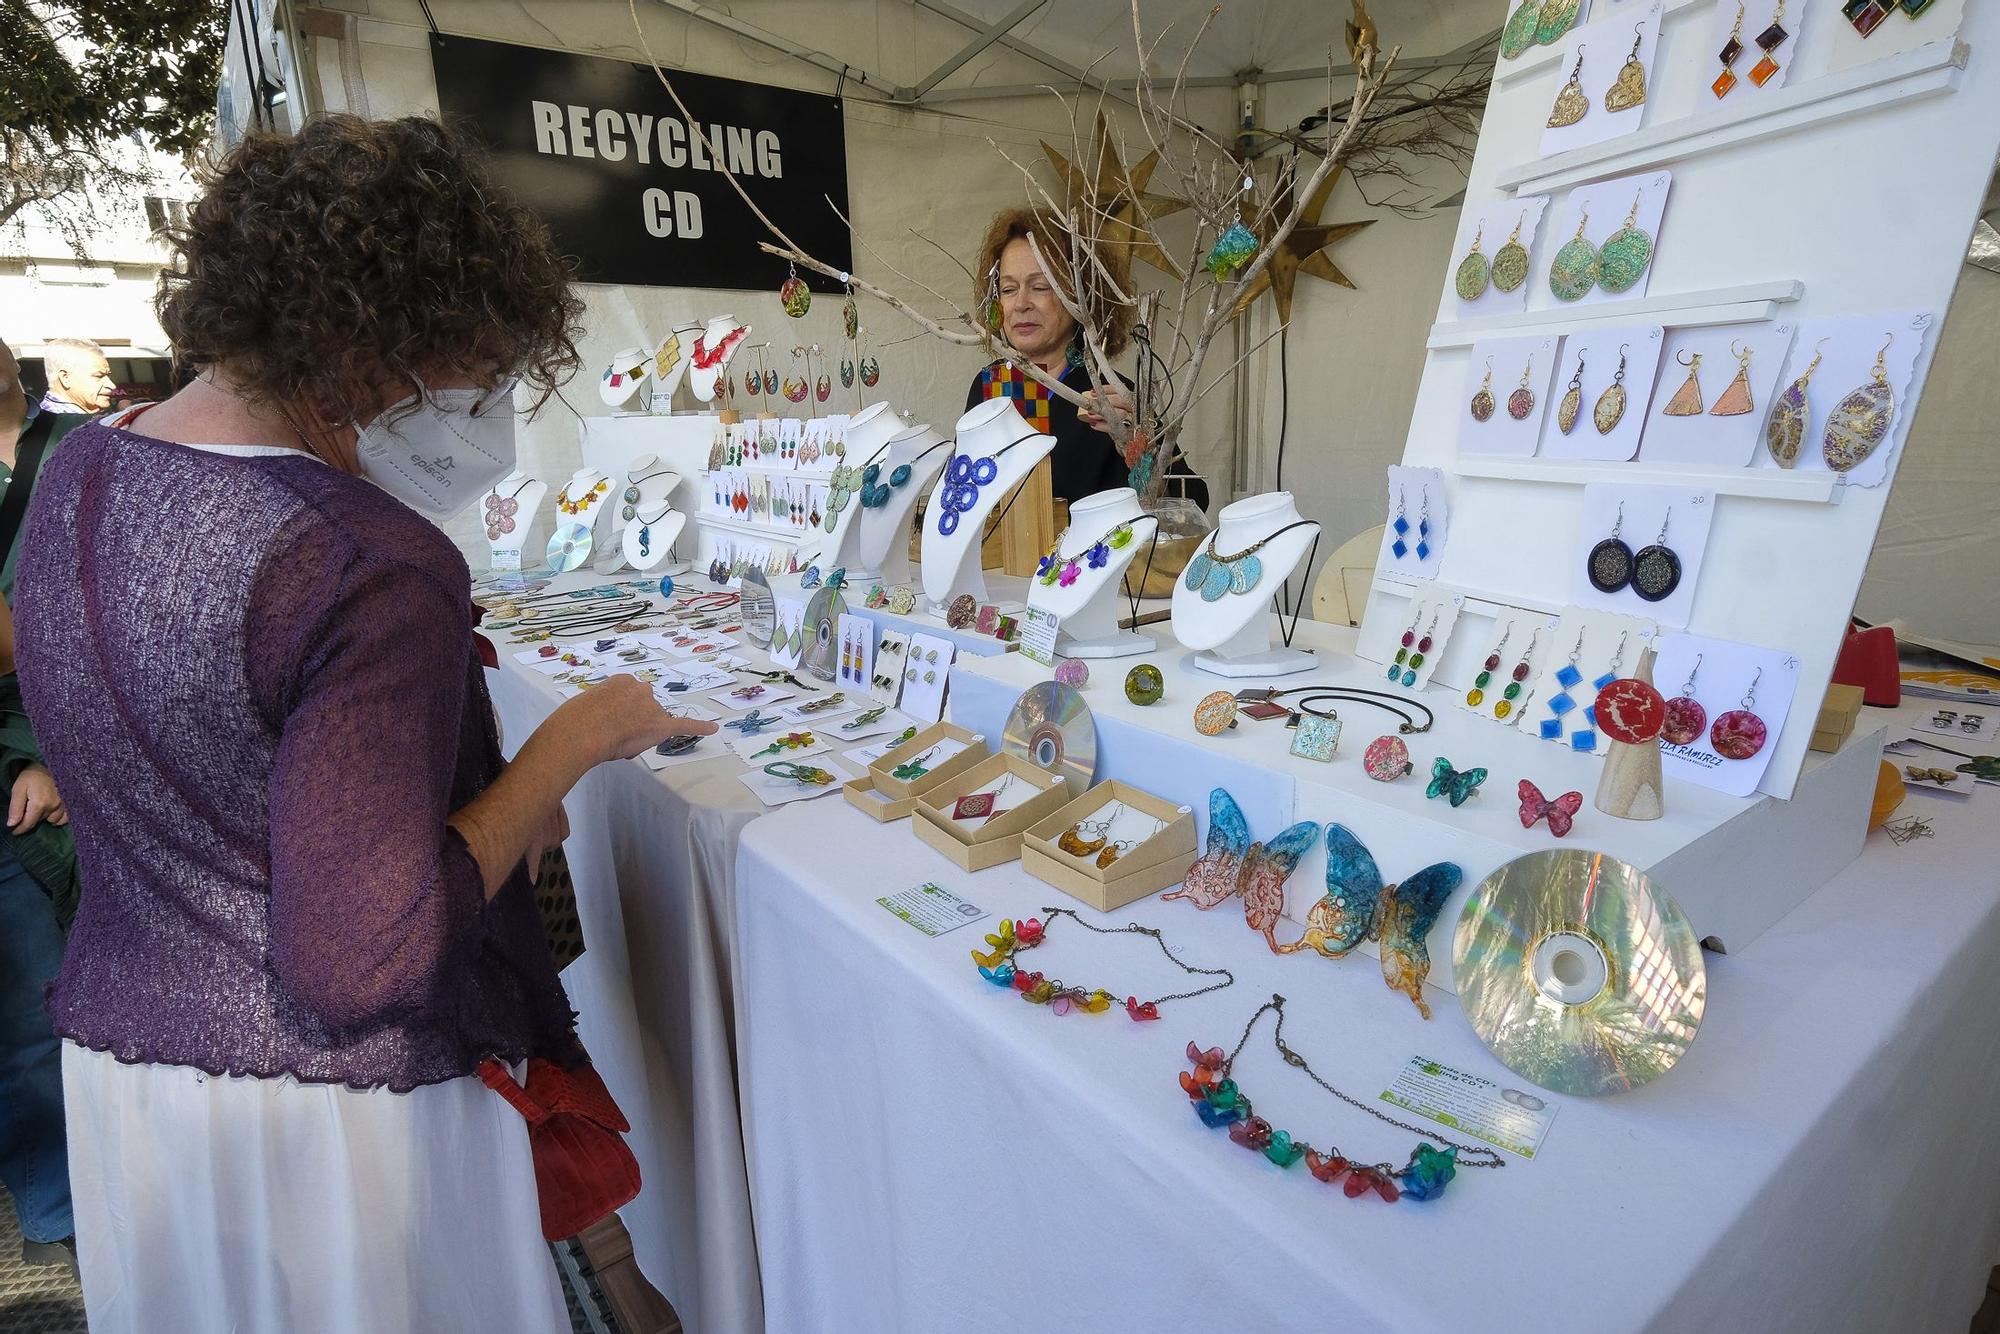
[1026, 528]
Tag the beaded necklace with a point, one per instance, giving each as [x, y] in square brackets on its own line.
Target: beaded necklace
[1054, 569]
[999, 968]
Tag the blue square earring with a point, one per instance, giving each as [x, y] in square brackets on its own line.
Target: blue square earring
[1585, 737]
[1399, 548]
[1568, 677]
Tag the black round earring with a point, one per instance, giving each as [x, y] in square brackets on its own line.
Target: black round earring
[1610, 564]
[1656, 570]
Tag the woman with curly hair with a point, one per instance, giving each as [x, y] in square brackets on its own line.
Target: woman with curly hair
[306, 915]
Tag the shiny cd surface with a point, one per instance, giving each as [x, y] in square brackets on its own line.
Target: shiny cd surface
[760, 613]
[1051, 728]
[569, 547]
[822, 650]
[1578, 972]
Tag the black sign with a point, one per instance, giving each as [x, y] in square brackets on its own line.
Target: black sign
[598, 148]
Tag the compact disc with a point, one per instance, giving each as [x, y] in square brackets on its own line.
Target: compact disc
[569, 547]
[1051, 727]
[1578, 972]
[822, 649]
[760, 612]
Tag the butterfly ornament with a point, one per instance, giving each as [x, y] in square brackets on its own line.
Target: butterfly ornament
[1455, 784]
[1357, 906]
[1233, 865]
[1560, 813]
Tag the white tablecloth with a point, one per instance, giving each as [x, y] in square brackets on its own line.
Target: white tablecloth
[929, 1153]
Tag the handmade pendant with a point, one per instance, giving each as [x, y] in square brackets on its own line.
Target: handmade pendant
[1556, 18]
[1510, 262]
[1629, 90]
[1574, 271]
[1686, 401]
[1519, 34]
[1231, 251]
[1786, 430]
[1473, 271]
[1622, 261]
[1316, 738]
[1386, 759]
[1482, 401]
[1859, 423]
[1570, 105]
[1522, 401]
[795, 296]
[1610, 409]
[850, 316]
[1572, 399]
[1735, 400]
[1629, 710]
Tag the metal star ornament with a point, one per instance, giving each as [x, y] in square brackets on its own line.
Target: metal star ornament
[1304, 251]
[1119, 198]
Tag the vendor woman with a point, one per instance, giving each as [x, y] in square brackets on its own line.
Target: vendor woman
[1086, 459]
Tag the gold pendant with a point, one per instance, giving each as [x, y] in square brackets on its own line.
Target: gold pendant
[1630, 88]
[1571, 105]
[1686, 401]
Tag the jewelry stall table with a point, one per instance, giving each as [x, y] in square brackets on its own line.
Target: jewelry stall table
[929, 1153]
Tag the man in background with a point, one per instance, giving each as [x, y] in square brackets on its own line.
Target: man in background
[79, 376]
[38, 882]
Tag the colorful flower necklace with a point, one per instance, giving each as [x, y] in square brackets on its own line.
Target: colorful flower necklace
[1218, 1102]
[1000, 969]
[1053, 569]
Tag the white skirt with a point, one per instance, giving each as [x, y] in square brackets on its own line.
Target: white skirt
[241, 1206]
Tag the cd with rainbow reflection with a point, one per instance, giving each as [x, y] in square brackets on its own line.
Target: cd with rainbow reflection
[1579, 972]
[1051, 727]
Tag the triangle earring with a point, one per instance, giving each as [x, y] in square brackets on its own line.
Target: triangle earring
[1570, 105]
[1610, 407]
[1572, 399]
[1686, 401]
[1787, 427]
[1629, 90]
[1735, 400]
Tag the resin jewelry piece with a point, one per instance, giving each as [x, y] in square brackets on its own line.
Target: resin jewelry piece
[1510, 262]
[1568, 677]
[1560, 813]
[1086, 836]
[1054, 570]
[1144, 685]
[794, 295]
[1220, 1103]
[862, 720]
[1001, 967]
[1769, 41]
[1584, 739]
[1726, 81]
[1473, 271]
[1424, 526]
[1522, 401]
[1572, 399]
[1571, 105]
[821, 705]
[1386, 759]
[1574, 270]
[1786, 429]
[1453, 784]
[1859, 423]
[1656, 569]
[1735, 400]
[1503, 708]
[1408, 642]
[1400, 526]
[1073, 672]
[964, 475]
[1231, 864]
[1217, 575]
[1622, 260]
[1740, 733]
[1415, 660]
[1482, 402]
[1685, 717]
[1114, 852]
[1317, 736]
[805, 774]
[961, 611]
[1686, 401]
[915, 768]
[1556, 18]
[1357, 906]
[1215, 714]
[1610, 409]
[1477, 695]
[1630, 710]
[1519, 34]
[871, 371]
[1629, 90]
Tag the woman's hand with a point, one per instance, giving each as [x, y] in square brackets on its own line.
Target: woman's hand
[621, 718]
[34, 800]
[1113, 400]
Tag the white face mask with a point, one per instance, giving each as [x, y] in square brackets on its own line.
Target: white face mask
[441, 451]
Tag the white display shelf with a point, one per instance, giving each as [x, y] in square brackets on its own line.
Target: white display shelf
[1812, 486]
[1871, 89]
[737, 527]
[1541, 57]
[1747, 303]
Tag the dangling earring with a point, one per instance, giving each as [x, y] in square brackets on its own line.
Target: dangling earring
[850, 314]
[1519, 34]
[823, 388]
[1740, 733]
[770, 381]
[992, 312]
[846, 373]
[1735, 400]
[1416, 659]
[1482, 402]
[1574, 271]
[1859, 423]
[1571, 105]
[1477, 695]
[1685, 717]
[1510, 262]
[1522, 401]
[1401, 526]
[1424, 526]
[794, 295]
[1584, 738]
[1656, 570]
[1611, 403]
[1731, 49]
[1473, 270]
[1408, 642]
[1770, 40]
[1568, 678]
[1686, 401]
[1503, 707]
[1572, 399]
[871, 371]
[1555, 19]
[1622, 260]
[1787, 427]
[1610, 562]
[1630, 88]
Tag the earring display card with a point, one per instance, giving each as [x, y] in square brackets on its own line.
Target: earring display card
[1417, 499]
[857, 652]
[885, 677]
[925, 674]
[1498, 276]
[776, 791]
[802, 712]
[1602, 210]
[1609, 408]
[846, 730]
[788, 638]
[1605, 647]
[1843, 389]
[1894, 33]
[1752, 56]
[1719, 675]
[1616, 77]
[1412, 651]
[1665, 529]
[1504, 416]
[1516, 645]
[752, 749]
[1719, 419]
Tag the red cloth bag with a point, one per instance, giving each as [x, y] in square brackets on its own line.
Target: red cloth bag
[583, 1168]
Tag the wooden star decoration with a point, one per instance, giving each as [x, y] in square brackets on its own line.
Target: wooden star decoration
[1119, 197]
[1304, 251]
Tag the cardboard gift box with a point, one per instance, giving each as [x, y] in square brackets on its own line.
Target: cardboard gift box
[1158, 862]
[882, 771]
[998, 839]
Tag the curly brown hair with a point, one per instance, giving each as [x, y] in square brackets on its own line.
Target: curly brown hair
[322, 268]
[1052, 240]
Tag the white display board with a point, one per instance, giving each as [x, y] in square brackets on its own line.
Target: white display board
[1772, 191]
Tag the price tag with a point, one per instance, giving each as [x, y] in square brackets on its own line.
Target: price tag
[1038, 635]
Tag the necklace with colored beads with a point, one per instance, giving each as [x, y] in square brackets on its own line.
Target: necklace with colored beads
[1000, 967]
[584, 501]
[1219, 1103]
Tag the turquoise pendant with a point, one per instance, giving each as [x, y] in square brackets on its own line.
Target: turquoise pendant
[1197, 571]
[1243, 576]
[1217, 583]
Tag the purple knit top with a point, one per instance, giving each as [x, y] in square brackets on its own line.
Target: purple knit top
[255, 683]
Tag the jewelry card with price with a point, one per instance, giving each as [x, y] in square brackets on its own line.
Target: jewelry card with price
[1606, 377]
[1604, 80]
[925, 674]
[1639, 549]
[1714, 392]
[1503, 682]
[788, 634]
[798, 782]
[1606, 238]
[1506, 396]
[1726, 707]
[1591, 649]
[1843, 401]
[1418, 523]
[857, 651]
[785, 741]
[1750, 46]
[885, 677]
[1497, 251]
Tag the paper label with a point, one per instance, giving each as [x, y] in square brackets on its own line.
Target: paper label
[1038, 635]
[1514, 1119]
[932, 909]
[505, 558]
